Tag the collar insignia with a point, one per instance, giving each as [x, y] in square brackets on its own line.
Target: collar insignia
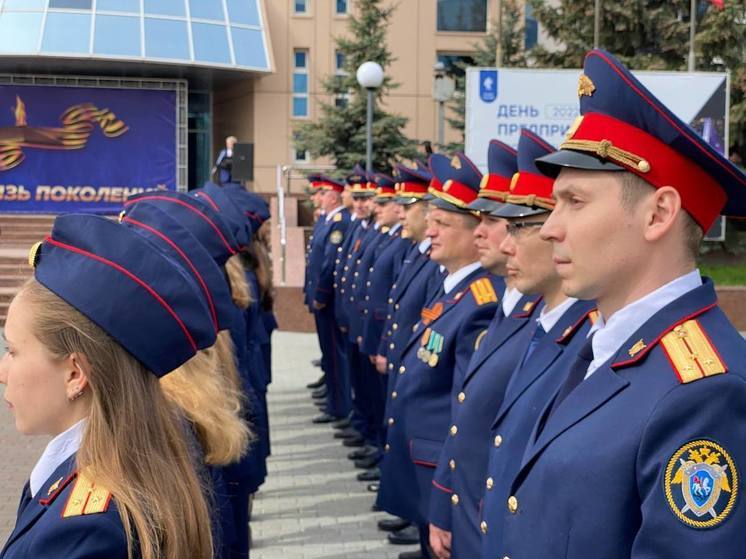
[637, 348]
[54, 486]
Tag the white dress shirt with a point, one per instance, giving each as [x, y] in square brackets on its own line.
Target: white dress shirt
[510, 299]
[548, 319]
[609, 336]
[59, 449]
[394, 229]
[424, 245]
[452, 280]
[334, 212]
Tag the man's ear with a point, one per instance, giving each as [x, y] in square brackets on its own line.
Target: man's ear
[661, 212]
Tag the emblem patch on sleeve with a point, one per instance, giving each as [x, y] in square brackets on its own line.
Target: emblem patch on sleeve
[701, 484]
[336, 237]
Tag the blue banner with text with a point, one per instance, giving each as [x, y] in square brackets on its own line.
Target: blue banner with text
[80, 149]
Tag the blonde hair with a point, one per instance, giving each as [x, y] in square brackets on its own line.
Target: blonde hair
[206, 389]
[237, 281]
[133, 436]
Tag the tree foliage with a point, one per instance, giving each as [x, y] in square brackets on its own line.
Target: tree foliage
[340, 132]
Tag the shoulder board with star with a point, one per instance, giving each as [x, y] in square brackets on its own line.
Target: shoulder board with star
[86, 497]
[691, 352]
[569, 332]
[337, 218]
[483, 291]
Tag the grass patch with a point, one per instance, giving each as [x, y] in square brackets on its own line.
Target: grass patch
[725, 275]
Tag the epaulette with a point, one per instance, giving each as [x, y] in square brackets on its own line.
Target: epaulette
[569, 332]
[337, 218]
[86, 498]
[483, 291]
[691, 353]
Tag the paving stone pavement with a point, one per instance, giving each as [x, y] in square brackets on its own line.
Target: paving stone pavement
[311, 505]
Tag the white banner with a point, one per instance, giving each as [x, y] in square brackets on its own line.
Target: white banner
[499, 102]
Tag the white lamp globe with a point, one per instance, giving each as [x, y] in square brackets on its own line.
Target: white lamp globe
[370, 75]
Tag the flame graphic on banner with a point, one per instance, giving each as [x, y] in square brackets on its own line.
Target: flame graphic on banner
[78, 123]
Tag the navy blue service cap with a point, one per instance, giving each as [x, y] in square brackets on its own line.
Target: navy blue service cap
[253, 206]
[134, 292]
[199, 217]
[530, 191]
[411, 184]
[623, 127]
[502, 164]
[215, 197]
[457, 182]
[175, 240]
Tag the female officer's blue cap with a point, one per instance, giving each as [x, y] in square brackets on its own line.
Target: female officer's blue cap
[174, 240]
[199, 217]
[216, 198]
[253, 206]
[530, 192]
[134, 292]
[623, 127]
[495, 186]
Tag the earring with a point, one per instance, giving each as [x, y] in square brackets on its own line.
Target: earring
[77, 395]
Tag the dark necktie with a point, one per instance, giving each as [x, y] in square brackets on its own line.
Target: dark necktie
[536, 337]
[577, 373]
[25, 498]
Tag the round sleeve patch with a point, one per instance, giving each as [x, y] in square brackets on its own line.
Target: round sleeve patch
[701, 484]
[336, 237]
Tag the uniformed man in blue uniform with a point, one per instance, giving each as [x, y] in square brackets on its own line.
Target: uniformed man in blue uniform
[458, 480]
[360, 222]
[439, 348]
[380, 276]
[321, 261]
[639, 453]
[314, 194]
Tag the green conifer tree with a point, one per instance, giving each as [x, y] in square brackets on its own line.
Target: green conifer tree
[340, 131]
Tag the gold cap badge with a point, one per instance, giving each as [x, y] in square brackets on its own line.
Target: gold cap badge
[585, 86]
[34, 254]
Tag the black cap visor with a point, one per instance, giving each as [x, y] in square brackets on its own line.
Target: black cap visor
[407, 200]
[516, 210]
[551, 164]
[485, 205]
[447, 206]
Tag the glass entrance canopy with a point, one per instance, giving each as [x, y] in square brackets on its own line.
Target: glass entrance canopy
[228, 34]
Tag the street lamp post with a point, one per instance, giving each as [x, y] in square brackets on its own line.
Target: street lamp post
[370, 76]
[444, 87]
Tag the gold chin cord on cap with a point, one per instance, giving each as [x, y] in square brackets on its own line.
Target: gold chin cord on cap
[606, 150]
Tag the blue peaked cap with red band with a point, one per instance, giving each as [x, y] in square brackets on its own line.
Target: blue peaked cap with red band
[198, 217]
[175, 240]
[623, 126]
[142, 298]
[216, 197]
[253, 206]
[495, 185]
[459, 181]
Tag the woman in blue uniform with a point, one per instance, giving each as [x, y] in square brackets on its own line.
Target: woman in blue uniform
[105, 316]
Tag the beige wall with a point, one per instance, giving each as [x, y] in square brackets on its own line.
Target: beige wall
[259, 109]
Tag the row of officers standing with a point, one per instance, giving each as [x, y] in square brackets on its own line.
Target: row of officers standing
[142, 346]
[529, 362]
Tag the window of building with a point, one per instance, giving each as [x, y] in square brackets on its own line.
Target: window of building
[117, 35]
[532, 27]
[206, 9]
[462, 15]
[455, 64]
[71, 4]
[19, 32]
[341, 100]
[300, 83]
[299, 155]
[210, 43]
[165, 7]
[341, 6]
[248, 47]
[301, 6]
[67, 32]
[243, 12]
[129, 6]
[166, 38]
[200, 131]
